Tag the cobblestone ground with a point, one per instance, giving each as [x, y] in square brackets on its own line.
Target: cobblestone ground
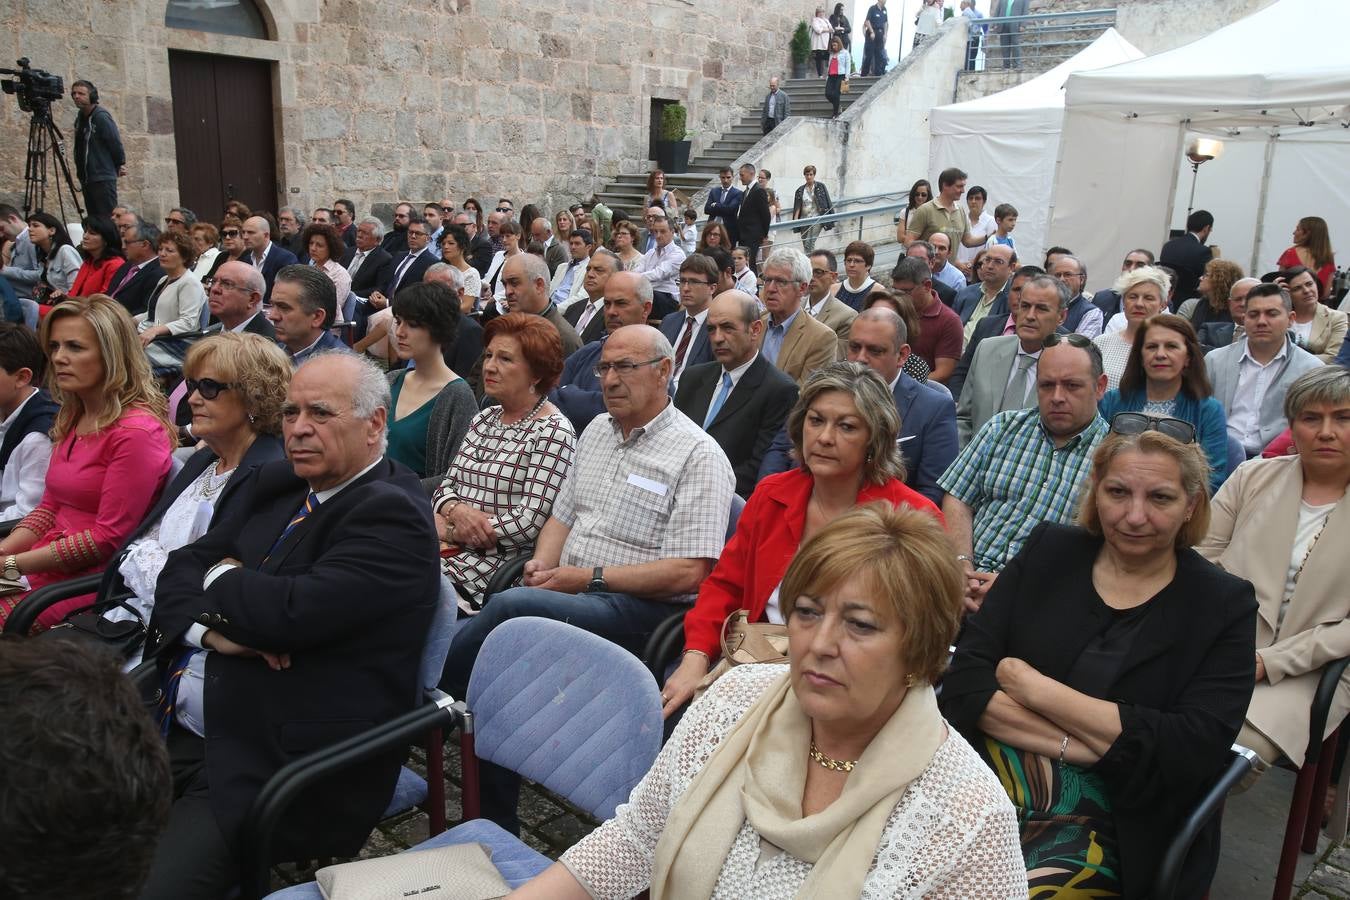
[1330, 878]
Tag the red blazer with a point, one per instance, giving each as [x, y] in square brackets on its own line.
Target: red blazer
[94, 277]
[767, 535]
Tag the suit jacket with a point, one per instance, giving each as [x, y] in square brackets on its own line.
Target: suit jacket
[395, 242]
[946, 293]
[1221, 365]
[969, 297]
[465, 355]
[277, 259]
[357, 579]
[752, 222]
[595, 328]
[349, 235]
[807, 346]
[1328, 333]
[419, 267]
[699, 352]
[24, 270]
[571, 343]
[1182, 688]
[135, 294]
[750, 417]
[1188, 256]
[480, 253]
[556, 254]
[260, 324]
[982, 394]
[838, 316]
[578, 291]
[723, 203]
[784, 106]
[1108, 301]
[374, 272]
[1251, 531]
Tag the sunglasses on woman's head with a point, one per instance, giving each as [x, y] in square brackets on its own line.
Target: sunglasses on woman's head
[1138, 423]
[209, 388]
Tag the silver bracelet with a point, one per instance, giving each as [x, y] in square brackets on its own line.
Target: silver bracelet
[1064, 745]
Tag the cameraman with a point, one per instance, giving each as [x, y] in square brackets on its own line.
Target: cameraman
[99, 158]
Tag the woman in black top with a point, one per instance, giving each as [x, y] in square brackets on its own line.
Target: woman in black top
[843, 28]
[1107, 674]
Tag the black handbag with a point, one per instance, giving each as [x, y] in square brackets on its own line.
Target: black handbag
[123, 638]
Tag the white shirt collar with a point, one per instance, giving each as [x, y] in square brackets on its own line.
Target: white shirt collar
[331, 492]
[815, 308]
[238, 329]
[1247, 353]
[9, 420]
[740, 370]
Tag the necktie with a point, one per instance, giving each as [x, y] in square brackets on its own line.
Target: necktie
[685, 338]
[131, 273]
[722, 393]
[168, 698]
[311, 503]
[359, 258]
[402, 270]
[1015, 397]
[586, 315]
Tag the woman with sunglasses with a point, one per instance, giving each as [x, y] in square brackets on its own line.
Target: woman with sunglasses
[1165, 378]
[236, 385]
[231, 244]
[1106, 675]
[919, 194]
[1284, 524]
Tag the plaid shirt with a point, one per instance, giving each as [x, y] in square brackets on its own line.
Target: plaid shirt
[664, 493]
[1014, 478]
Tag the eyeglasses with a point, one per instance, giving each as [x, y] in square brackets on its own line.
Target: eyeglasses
[1072, 339]
[819, 272]
[779, 282]
[209, 388]
[225, 284]
[622, 369]
[230, 232]
[1138, 423]
[691, 282]
[504, 209]
[175, 222]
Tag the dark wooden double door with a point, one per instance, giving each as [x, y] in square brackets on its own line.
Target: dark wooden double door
[223, 127]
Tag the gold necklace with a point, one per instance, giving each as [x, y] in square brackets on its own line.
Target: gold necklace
[834, 765]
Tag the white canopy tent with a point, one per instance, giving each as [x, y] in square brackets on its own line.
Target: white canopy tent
[1009, 141]
[1274, 87]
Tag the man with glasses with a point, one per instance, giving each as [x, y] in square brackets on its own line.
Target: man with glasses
[1083, 316]
[267, 257]
[234, 296]
[409, 267]
[180, 219]
[135, 281]
[740, 398]
[822, 305]
[637, 526]
[988, 296]
[1003, 371]
[661, 264]
[1108, 300]
[686, 328]
[525, 283]
[506, 208]
[927, 252]
[291, 224]
[587, 316]
[940, 332]
[1004, 323]
[395, 242]
[480, 248]
[1026, 466]
[793, 341]
[345, 212]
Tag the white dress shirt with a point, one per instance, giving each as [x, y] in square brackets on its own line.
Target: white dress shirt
[1244, 418]
[24, 477]
[661, 266]
[699, 321]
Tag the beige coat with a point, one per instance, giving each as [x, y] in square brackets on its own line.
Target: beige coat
[807, 346]
[1328, 331]
[1250, 535]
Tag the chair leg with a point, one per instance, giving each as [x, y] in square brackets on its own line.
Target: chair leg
[1293, 830]
[1326, 760]
[468, 763]
[436, 781]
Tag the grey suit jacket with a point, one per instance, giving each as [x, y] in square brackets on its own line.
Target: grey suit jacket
[555, 255]
[1222, 367]
[982, 395]
[784, 105]
[23, 270]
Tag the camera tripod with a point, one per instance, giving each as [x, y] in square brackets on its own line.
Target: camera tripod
[46, 150]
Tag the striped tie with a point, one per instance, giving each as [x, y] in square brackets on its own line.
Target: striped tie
[169, 695]
[311, 504]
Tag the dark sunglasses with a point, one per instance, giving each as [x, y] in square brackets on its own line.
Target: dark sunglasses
[1072, 339]
[504, 209]
[1138, 423]
[230, 232]
[209, 388]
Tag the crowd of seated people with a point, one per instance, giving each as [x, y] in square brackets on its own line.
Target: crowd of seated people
[493, 408]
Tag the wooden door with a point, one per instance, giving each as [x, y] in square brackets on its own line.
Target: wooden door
[222, 124]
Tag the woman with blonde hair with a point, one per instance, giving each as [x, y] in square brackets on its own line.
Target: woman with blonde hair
[1312, 248]
[1143, 294]
[111, 457]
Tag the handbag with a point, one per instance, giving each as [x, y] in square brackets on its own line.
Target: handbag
[746, 642]
[456, 872]
[843, 88]
[124, 637]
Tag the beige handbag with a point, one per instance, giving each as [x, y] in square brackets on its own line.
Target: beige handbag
[744, 642]
[456, 872]
[843, 88]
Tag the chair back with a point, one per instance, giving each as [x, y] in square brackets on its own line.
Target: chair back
[737, 505]
[566, 709]
[1237, 455]
[442, 632]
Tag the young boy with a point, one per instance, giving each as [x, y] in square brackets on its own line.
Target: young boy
[745, 278]
[26, 415]
[689, 237]
[1005, 218]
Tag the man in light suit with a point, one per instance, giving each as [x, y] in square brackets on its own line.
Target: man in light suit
[1251, 375]
[267, 257]
[724, 202]
[567, 285]
[998, 321]
[793, 341]
[1003, 371]
[587, 315]
[753, 219]
[687, 327]
[741, 400]
[22, 270]
[823, 306]
[777, 106]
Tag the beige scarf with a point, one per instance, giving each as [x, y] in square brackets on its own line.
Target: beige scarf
[759, 774]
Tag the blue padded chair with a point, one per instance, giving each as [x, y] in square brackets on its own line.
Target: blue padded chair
[1237, 455]
[430, 718]
[562, 707]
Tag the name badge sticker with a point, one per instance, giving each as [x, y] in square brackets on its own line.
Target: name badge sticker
[653, 487]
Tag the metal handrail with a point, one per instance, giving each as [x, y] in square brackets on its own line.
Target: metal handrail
[836, 217]
[1040, 17]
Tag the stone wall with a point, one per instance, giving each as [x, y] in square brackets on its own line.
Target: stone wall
[539, 101]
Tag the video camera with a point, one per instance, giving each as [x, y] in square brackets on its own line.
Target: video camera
[35, 88]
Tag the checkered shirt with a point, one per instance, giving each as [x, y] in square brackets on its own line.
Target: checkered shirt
[1014, 478]
[613, 501]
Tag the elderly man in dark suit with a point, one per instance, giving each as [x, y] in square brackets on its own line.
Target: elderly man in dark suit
[741, 400]
[135, 280]
[318, 563]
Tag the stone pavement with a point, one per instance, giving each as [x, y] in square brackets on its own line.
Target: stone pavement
[1253, 828]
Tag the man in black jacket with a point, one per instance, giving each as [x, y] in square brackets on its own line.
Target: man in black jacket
[1188, 254]
[480, 246]
[752, 221]
[99, 157]
[134, 282]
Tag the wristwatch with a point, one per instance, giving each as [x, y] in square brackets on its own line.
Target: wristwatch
[598, 584]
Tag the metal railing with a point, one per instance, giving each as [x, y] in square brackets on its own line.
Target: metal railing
[1036, 42]
[875, 225]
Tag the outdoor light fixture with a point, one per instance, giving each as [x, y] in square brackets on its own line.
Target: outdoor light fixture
[1200, 150]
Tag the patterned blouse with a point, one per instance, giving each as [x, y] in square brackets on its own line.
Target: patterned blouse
[512, 473]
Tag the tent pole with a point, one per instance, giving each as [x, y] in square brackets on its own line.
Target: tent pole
[1261, 204]
[1172, 189]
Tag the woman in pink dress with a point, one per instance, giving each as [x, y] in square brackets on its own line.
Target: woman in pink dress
[111, 454]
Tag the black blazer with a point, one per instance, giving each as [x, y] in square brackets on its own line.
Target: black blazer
[374, 272]
[419, 266]
[481, 253]
[277, 259]
[1188, 257]
[261, 325]
[356, 582]
[595, 328]
[135, 294]
[749, 419]
[752, 223]
[700, 350]
[1182, 692]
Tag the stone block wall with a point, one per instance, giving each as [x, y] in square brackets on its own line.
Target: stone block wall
[375, 101]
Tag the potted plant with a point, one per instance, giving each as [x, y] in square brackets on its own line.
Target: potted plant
[672, 145]
[801, 50]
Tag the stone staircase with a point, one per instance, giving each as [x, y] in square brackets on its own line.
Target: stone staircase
[808, 99]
